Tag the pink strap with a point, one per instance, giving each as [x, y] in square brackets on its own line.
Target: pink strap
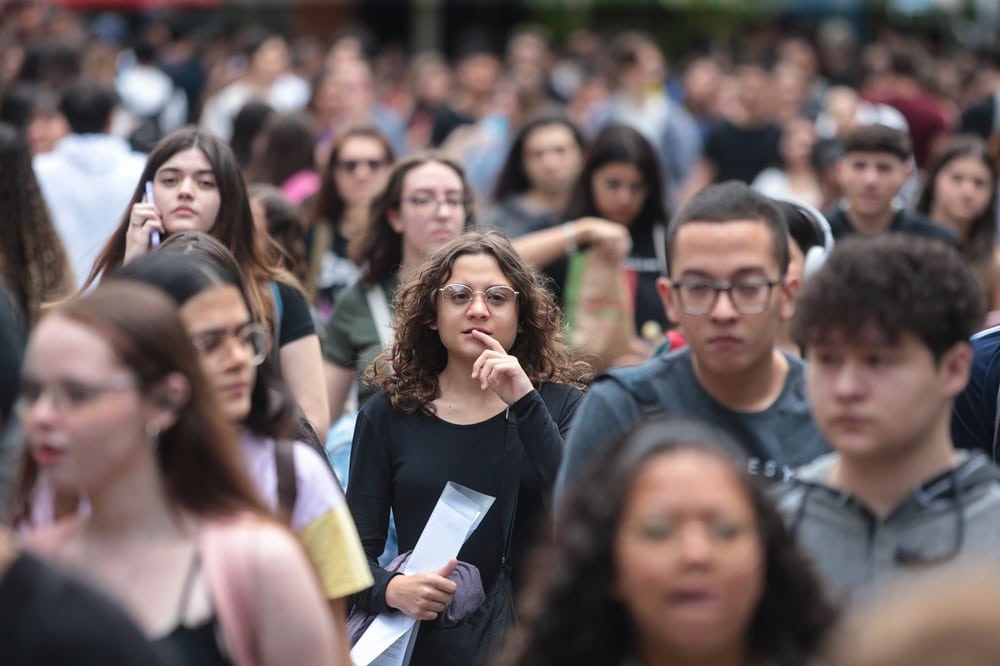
[228, 551]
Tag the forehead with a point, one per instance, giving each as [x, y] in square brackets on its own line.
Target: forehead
[472, 268]
[544, 136]
[878, 157]
[362, 146]
[60, 346]
[723, 247]
[688, 476]
[432, 176]
[189, 159]
[218, 306]
[618, 171]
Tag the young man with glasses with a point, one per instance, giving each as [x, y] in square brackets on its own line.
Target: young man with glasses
[886, 325]
[727, 252]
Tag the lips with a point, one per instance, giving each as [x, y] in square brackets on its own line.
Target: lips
[46, 455]
[469, 331]
[725, 342]
[183, 210]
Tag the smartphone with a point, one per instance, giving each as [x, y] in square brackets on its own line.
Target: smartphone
[154, 235]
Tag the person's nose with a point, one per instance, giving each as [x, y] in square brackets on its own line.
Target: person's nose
[235, 354]
[724, 309]
[695, 544]
[848, 381]
[477, 307]
[186, 187]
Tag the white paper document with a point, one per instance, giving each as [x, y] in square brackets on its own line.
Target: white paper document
[458, 512]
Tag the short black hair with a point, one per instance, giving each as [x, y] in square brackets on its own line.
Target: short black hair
[87, 106]
[899, 283]
[729, 202]
[878, 139]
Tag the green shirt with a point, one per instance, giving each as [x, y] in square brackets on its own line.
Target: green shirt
[351, 337]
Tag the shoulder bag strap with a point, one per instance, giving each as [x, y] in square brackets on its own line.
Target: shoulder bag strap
[284, 465]
[510, 481]
[379, 306]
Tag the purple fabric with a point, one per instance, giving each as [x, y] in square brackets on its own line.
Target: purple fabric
[468, 597]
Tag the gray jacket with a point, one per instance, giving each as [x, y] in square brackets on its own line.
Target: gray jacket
[954, 516]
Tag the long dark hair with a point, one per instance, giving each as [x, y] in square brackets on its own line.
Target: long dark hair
[379, 250]
[33, 262]
[190, 263]
[418, 355]
[569, 613]
[981, 239]
[234, 225]
[620, 143]
[199, 457]
[513, 179]
[329, 203]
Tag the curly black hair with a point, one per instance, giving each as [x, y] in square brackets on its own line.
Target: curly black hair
[569, 613]
[899, 283]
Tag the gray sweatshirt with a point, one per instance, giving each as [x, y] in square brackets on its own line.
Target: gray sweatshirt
[953, 517]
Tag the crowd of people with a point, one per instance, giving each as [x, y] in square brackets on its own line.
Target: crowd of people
[713, 340]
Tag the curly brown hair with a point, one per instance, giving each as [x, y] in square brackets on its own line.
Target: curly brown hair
[34, 263]
[418, 356]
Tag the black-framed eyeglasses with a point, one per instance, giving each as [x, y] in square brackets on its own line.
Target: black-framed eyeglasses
[497, 298]
[427, 205]
[350, 166]
[252, 336]
[696, 296]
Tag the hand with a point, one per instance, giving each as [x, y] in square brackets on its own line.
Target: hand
[422, 595]
[496, 369]
[142, 220]
[610, 239]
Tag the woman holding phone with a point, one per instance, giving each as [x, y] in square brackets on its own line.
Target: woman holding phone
[196, 185]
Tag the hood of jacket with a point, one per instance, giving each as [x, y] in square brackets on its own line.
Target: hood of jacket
[93, 154]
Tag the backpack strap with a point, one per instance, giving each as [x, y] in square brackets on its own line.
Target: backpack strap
[638, 386]
[321, 241]
[996, 427]
[284, 465]
[379, 306]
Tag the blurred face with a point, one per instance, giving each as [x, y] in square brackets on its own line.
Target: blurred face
[84, 417]
[360, 169]
[457, 318]
[44, 131]
[432, 209]
[688, 557]
[725, 340]
[874, 399]
[271, 59]
[619, 192]
[552, 159]
[221, 329]
[962, 191]
[797, 141]
[186, 192]
[871, 181]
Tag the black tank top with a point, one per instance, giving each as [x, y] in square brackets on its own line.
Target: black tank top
[198, 645]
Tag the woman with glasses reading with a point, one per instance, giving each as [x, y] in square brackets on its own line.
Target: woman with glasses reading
[115, 406]
[356, 172]
[481, 392]
[294, 480]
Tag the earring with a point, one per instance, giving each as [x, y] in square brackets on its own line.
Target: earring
[153, 431]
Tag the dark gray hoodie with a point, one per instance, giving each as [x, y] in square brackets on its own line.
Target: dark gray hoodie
[954, 516]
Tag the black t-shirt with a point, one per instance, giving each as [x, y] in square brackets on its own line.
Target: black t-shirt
[740, 153]
[904, 221]
[296, 320]
[47, 618]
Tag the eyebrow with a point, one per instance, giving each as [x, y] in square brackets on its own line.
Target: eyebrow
[197, 172]
[219, 330]
[739, 272]
[432, 192]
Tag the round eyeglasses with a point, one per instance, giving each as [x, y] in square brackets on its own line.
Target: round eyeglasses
[253, 337]
[497, 298]
[748, 295]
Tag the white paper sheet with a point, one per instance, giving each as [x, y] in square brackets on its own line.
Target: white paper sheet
[458, 512]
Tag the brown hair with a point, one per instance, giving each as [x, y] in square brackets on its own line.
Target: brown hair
[418, 356]
[233, 226]
[379, 249]
[199, 456]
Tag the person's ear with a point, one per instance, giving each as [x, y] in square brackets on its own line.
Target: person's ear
[395, 220]
[954, 368]
[789, 290]
[667, 297]
[168, 397]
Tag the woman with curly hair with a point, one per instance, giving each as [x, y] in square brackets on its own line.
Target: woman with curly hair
[477, 345]
[669, 552]
[35, 267]
[960, 193]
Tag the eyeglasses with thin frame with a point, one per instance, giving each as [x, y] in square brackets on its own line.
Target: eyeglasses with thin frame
[68, 394]
[252, 336]
[350, 166]
[428, 206]
[497, 298]
[749, 295]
